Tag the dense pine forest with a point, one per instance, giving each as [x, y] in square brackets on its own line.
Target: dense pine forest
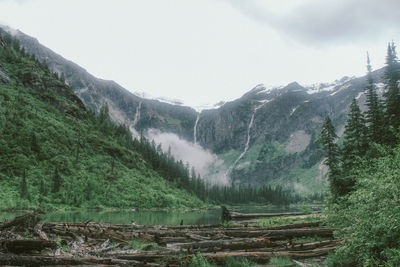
[55, 152]
[364, 172]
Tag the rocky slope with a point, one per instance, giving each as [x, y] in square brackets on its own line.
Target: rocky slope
[266, 136]
[55, 153]
[123, 105]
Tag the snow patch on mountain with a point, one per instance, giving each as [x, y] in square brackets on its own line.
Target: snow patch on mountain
[359, 95]
[318, 88]
[327, 87]
[209, 106]
[162, 99]
[341, 89]
[380, 88]
[294, 110]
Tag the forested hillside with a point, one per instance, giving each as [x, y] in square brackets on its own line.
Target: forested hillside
[364, 172]
[267, 136]
[55, 152]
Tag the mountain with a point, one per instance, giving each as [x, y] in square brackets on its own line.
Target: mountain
[55, 152]
[123, 105]
[273, 137]
[268, 136]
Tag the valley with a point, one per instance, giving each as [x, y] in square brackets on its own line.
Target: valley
[268, 136]
[71, 144]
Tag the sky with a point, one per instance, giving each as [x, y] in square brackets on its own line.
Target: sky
[205, 51]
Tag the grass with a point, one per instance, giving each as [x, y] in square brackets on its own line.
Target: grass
[281, 261]
[228, 224]
[140, 245]
[199, 261]
[238, 262]
[304, 181]
[62, 244]
[310, 239]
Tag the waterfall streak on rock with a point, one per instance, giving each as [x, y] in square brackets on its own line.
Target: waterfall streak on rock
[195, 129]
[137, 114]
[246, 147]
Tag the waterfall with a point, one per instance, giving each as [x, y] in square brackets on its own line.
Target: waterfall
[136, 119]
[137, 114]
[195, 129]
[246, 147]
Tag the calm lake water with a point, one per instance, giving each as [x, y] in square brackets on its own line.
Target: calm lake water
[147, 217]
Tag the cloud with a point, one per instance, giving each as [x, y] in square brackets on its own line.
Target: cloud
[324, 22]
[207, 164]
[21, 2]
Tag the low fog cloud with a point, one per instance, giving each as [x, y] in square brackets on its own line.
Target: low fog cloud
[207, 164]
[318, 22]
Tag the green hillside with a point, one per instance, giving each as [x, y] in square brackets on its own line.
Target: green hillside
[53, 152]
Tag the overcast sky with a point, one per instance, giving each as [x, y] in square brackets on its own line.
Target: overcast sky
[204, 51]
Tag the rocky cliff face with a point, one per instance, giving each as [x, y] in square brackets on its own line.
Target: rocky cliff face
[123, 104]
[266, 136]
[274, 131]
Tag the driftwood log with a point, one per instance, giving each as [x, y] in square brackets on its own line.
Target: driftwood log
[45, 260]
[24, 221]
[20, 246]
[247, 216]
[226, 215]
[102, 244]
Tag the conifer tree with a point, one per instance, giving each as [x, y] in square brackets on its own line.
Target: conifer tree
[104, 113]
[24, 193]
[327, 139]
[355, 137]
[374, 116]
[56, 181]
[392, 88]
[42, 187]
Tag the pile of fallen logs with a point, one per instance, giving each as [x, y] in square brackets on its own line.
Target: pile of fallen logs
[27, 241]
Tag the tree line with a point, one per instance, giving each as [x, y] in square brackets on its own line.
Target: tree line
[379, 124]
[364, 171]
[111, 146]
[183, 177]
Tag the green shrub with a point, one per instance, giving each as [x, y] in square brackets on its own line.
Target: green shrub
[280, 262]
[140, 245]
[199, 261]
[370, 216]
[238, 262]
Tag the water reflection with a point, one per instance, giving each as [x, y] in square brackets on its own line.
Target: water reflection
[139, 217]
[147, 217]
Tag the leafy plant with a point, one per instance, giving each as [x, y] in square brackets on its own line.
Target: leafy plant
[198, 260]
[228, 224]
[238, 262]
[140, 245]
[62, 244]
[280, 262]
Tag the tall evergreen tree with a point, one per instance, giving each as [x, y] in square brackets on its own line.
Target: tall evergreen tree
[327, 139]
[35, 143]
[374, 116]
[56, 181]
[24, 193]
[104, 113]
[392, 88]
[355, 137]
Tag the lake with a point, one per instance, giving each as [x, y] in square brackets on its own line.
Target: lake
[148, 217]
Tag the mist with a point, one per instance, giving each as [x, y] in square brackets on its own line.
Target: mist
[210, 167]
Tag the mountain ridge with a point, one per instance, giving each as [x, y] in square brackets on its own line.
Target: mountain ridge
[56, 153]
[285, 121]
